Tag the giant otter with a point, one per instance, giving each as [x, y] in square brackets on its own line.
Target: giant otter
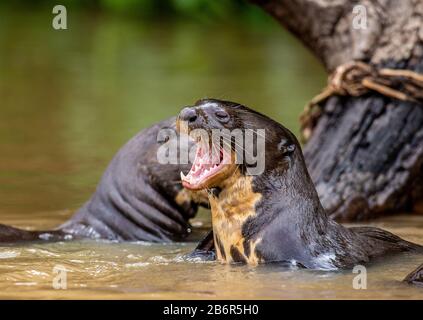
[137, 199]
[275, 216]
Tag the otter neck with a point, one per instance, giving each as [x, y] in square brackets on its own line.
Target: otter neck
[290, 194]
[231, 207]
[246, 206]
[291, 211]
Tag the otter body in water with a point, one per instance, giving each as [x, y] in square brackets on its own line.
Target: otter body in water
[137, 199]
[415, 277]
[275, 216]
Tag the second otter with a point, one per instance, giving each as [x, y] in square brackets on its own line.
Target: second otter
[137, 199]
[275, 216]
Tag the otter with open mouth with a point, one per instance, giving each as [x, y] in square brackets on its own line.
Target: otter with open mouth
[275, 216]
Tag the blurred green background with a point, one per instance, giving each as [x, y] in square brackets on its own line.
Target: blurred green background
[201, 10]
[70, 98]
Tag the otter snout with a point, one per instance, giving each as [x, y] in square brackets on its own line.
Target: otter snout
[205, 114]
[191, 118]
[188, 114]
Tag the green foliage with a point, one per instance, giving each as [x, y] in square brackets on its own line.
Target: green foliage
[205, 10]
[144, 7]
[215, 7]
[215, 10]
[125, 5]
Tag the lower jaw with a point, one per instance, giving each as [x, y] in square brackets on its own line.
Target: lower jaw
[197, 186]
[192, 187]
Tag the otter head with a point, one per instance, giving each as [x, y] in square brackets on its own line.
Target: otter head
[247, 141]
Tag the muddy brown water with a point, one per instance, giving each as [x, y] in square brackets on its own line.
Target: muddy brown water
[70, 99]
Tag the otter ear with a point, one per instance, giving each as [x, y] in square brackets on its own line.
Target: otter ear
[286, 147]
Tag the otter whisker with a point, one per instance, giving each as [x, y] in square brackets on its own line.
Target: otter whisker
[242, 147]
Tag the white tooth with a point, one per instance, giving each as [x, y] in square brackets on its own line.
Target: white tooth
[183, 177]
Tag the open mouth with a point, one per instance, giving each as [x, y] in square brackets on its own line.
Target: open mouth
[210, 166]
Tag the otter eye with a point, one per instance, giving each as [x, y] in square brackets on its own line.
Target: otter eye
[286, 147]
[222, 115]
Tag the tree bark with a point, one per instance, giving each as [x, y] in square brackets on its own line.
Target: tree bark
[366, 153]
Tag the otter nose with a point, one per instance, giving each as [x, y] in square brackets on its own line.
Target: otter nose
[188, 114]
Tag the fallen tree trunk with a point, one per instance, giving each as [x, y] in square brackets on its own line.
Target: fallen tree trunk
[365, 154]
